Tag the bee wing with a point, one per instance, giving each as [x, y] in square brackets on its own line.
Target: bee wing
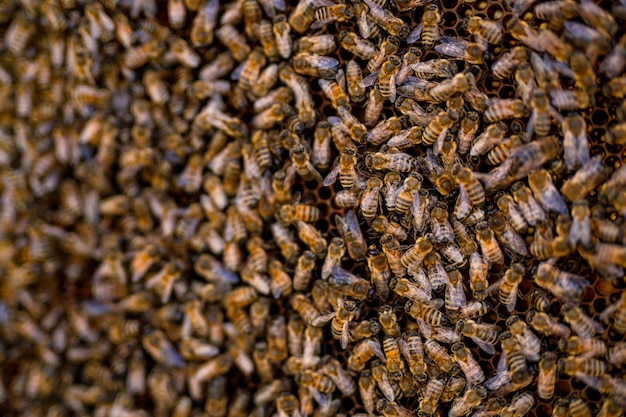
[404, 349]
[321, 319]
[322, 22]
[237, 71]
[341, 79]
[445, 335]
[452, 47]
[345, 334]
[502, 366]
[332, 175]
[486, 347]
[374, 346]
[392, 87]
[463, 204]
[439, 142]
[415, 34]
[425, 329]
[370, 79]
[364, 28]
[353, 224]
[435, 303]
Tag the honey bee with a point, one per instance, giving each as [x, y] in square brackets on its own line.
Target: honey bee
[340, 324]
[282, 34]
[382, 225]
[432, 392]
[426, 313]
[616, 135]
[391, 249]
[545, 192]
[302, 164]
[312, 238]
[611, 407]
[362, 48]
[570, 99]
[487, 29]
[584, 348]
[488, 244]
[514, 216]
[457, 48]
[529, 208]
[328, 14]
[408, 289]
[455, 293]
[349, 284]
[615, 88]
[468, 182]
[406, 194]
[316, 380]
[584, 326]
[288, 248]
[335, 371]
[513, 243]
[354, 77]
[528, 342]
[234, 41]
[352, 235]
[366, 390]
[574, 365]
[437, 274]
[439, 126]
[304, 270]
[302, 16]
[564, 285]
[318, 44]
[161, 350]
[484, 335]
[363, 352]
[514, 357]
[545, 324]
[414, 256]
[468, 364]
[430, 26]
[381, 378]
[381, 273]
[618, 311]
[472, 398]
[584, 75]
[460, 83]
[509, 61]
[500, 109]
[395, 365]
[386, 20]
[520, 405]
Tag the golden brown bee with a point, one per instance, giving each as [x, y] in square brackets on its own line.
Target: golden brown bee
[488, 244]
[354, 77]
[500, 109]
[618, 311]
[529, 343]
[386, 20]
[315, 65]
[328, 14]
[584, 326]
[529, 208]
[362, 48]
[363, 352]
[430, 401]
[545, 324]
[316, 380]
[414, 256]
[547, 375]
[234, 41]
[304, 270]
[161, 350]
[487, 29]
[585, 348]
[407, 193]
[381, 273]
[381, 377]
[514, 357]
[425, 312]
[388, 321]
[514, 216]
[457, 48]
[615, 88]
[466, 361]
[573, 365]
[352, 235]
[506, 64]
[340, 324]
[388, 48]
[288, 248]
[430, 26]
[335, 92]
[282, 34]
[302, 16]
[395, 365]
[442, 91]
[484, 335]
[584, 74]
[563, 285]
[366, 390]
[468, 182]
[391, 249]
[439, 126]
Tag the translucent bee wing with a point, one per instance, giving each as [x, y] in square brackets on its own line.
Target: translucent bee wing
[370, 79]
[332, 176]
[486, 347]
[452, 47]
[392, 87]
[345, 334]
[364, 27]
[610, 310]
[341, 79]
[415, 34]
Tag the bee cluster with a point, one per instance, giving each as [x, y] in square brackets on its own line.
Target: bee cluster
[377, 207]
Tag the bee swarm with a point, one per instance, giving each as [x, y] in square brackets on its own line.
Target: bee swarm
[252, 208]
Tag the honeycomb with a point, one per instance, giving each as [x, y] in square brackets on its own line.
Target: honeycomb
[107, 307]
